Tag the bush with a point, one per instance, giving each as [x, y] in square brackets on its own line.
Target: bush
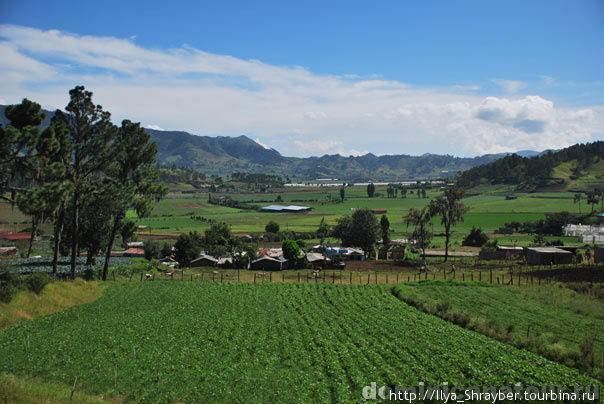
[9, 281]
[36, 282]
[272, 227]
[476, 238]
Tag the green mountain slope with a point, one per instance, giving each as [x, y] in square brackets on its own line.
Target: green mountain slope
[578, 166]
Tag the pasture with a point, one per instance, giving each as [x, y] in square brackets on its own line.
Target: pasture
[156, 342]
[491, 210]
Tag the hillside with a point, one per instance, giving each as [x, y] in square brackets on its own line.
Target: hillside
[221, 155]
[224, 155]
[576, 167]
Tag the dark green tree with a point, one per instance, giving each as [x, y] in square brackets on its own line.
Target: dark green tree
[370, 190]
[133, 178]
[577, 199]
[272, 227]
[358, 230]
[218, 239]
[187, 248]
[476, 238]
[592, 199]
[385, 227]
[323, 230]
[450, 209]
[404, 192]
[90, 133]
[291, 252]
[419, 219]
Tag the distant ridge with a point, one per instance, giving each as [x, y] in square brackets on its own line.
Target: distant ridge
[221, 155]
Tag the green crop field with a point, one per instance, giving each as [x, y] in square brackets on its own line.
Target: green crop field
[553, 310]
[158, 342]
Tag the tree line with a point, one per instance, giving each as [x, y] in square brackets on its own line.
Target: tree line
[82, 173]
[532, 172]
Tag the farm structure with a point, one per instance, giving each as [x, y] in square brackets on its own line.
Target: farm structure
[547, 256]
[502, 253]
[599, 255]
[15, 236]
[269, 263]
[204, 260]
[587, 233]
[9, 252]
[349, 253]
[288, 209]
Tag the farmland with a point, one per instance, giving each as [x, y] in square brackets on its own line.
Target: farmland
[207, 342]
[489, 210]
[552, 319]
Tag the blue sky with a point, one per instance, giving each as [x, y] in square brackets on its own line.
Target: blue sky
[308, 78]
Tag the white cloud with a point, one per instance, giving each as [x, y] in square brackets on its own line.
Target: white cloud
[294, 110]
[155, 127]
[510, 86]
[261, 144]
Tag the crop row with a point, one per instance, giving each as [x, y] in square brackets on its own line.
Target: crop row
[31, 265]
[202, 342]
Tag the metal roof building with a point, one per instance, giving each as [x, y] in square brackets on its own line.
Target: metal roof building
[290, 208]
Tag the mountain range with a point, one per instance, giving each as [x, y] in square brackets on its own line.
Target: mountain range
[222, 155]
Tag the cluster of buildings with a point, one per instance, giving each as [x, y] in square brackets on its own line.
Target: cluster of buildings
[273, 259]
[587, 233]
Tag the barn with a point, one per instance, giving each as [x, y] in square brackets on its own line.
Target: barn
[267, 263]
[547, 256]
[204, 260]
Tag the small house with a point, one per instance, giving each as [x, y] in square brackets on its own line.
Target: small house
[204, 260]
[134, 252]
[547, 256]
[267, 263]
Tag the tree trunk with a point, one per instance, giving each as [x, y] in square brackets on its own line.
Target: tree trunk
[75, 235]
[447, 236]
[34, 227]
[58, 232]
[116, 222]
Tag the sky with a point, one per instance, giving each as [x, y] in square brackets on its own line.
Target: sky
[309, 78]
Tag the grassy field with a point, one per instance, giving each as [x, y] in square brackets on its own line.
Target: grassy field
[180, 213]
[55, 297]
[552, 320]
[207, 342]
[488, 211]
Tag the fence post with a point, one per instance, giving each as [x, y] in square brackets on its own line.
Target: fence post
[463, 276]
[202, 273]
[408, 278]
[386, 279]
[490, 276]
[271, 276]
[221, 277]
[480, 276]
[254, 277]
[397, 277]
[141, 276]
[351, 277]
[368, 278]
[298, 276]
[472, 276]
[333, 277]
[283, 276]
[238, 275]
[340, 276]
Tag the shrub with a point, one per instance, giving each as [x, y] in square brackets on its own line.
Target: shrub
[36, 282]
[9, 281]
[7, 292]
[476, 238]
[272, 227]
